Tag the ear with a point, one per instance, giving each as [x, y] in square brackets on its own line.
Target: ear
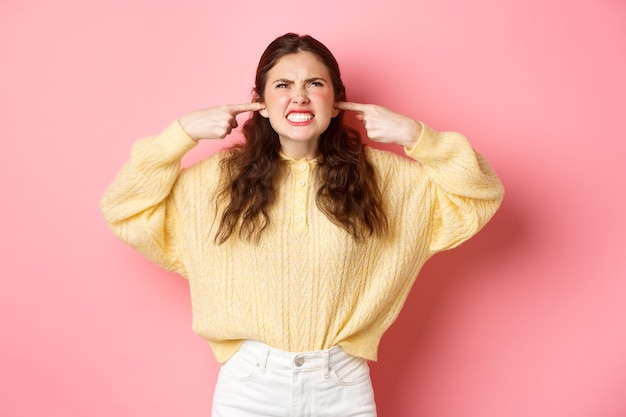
[335, 112]
[257, 99]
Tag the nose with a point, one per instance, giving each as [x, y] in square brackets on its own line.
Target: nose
[299, 95]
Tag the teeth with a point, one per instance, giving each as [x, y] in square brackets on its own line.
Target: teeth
[299, 117]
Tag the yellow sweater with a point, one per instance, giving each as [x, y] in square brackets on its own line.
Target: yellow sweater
[306, 285]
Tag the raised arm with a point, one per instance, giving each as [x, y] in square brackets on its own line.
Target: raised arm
[466, 192]
[140, 204]
[464, 189]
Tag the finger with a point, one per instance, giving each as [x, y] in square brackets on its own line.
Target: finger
[241, 108]
[351, 106]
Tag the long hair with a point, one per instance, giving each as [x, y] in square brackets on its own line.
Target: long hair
[348, 193]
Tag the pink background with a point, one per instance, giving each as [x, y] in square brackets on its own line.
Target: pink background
[527, 319]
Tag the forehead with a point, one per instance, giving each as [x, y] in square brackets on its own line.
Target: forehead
[301, 65]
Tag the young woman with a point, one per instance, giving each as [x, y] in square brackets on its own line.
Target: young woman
[300, 244]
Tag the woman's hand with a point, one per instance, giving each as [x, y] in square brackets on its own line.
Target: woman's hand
[383, 125]
[215, 122]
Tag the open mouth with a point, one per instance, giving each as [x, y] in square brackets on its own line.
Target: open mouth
[296, 117]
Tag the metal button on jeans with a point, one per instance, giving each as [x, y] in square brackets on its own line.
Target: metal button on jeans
[299, 362]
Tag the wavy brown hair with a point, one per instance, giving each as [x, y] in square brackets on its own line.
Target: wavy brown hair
[348, 193]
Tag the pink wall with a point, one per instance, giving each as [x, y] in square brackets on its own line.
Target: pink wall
[525, 320]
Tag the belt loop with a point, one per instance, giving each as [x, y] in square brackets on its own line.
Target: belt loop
[326, 363]
[262, 364]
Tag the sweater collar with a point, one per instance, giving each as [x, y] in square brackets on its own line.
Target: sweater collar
[293, 161]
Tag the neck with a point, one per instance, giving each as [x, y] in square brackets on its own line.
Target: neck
[299, 150]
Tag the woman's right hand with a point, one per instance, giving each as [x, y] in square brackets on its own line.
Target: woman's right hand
[215, 122]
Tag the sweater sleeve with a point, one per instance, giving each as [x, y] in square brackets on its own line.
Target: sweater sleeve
[139, 205]
[466, 191]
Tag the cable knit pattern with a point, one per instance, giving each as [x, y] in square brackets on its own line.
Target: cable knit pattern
[306, 285]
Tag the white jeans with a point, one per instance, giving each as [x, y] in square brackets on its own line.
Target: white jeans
[262, 381]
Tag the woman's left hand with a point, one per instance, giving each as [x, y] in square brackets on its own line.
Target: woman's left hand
[383, 125]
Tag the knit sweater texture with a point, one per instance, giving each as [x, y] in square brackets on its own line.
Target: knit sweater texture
[306, 285]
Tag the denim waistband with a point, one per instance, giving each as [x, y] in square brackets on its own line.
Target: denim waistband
[268, 357]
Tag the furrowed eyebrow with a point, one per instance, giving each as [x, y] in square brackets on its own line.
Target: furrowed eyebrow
[309, 80]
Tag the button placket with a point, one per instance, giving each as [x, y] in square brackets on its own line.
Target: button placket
[301, 173]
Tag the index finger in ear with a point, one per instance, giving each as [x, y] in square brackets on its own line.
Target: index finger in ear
[348, 105]
[241, 108]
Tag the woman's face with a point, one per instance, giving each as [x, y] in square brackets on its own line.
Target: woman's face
[299, 99]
